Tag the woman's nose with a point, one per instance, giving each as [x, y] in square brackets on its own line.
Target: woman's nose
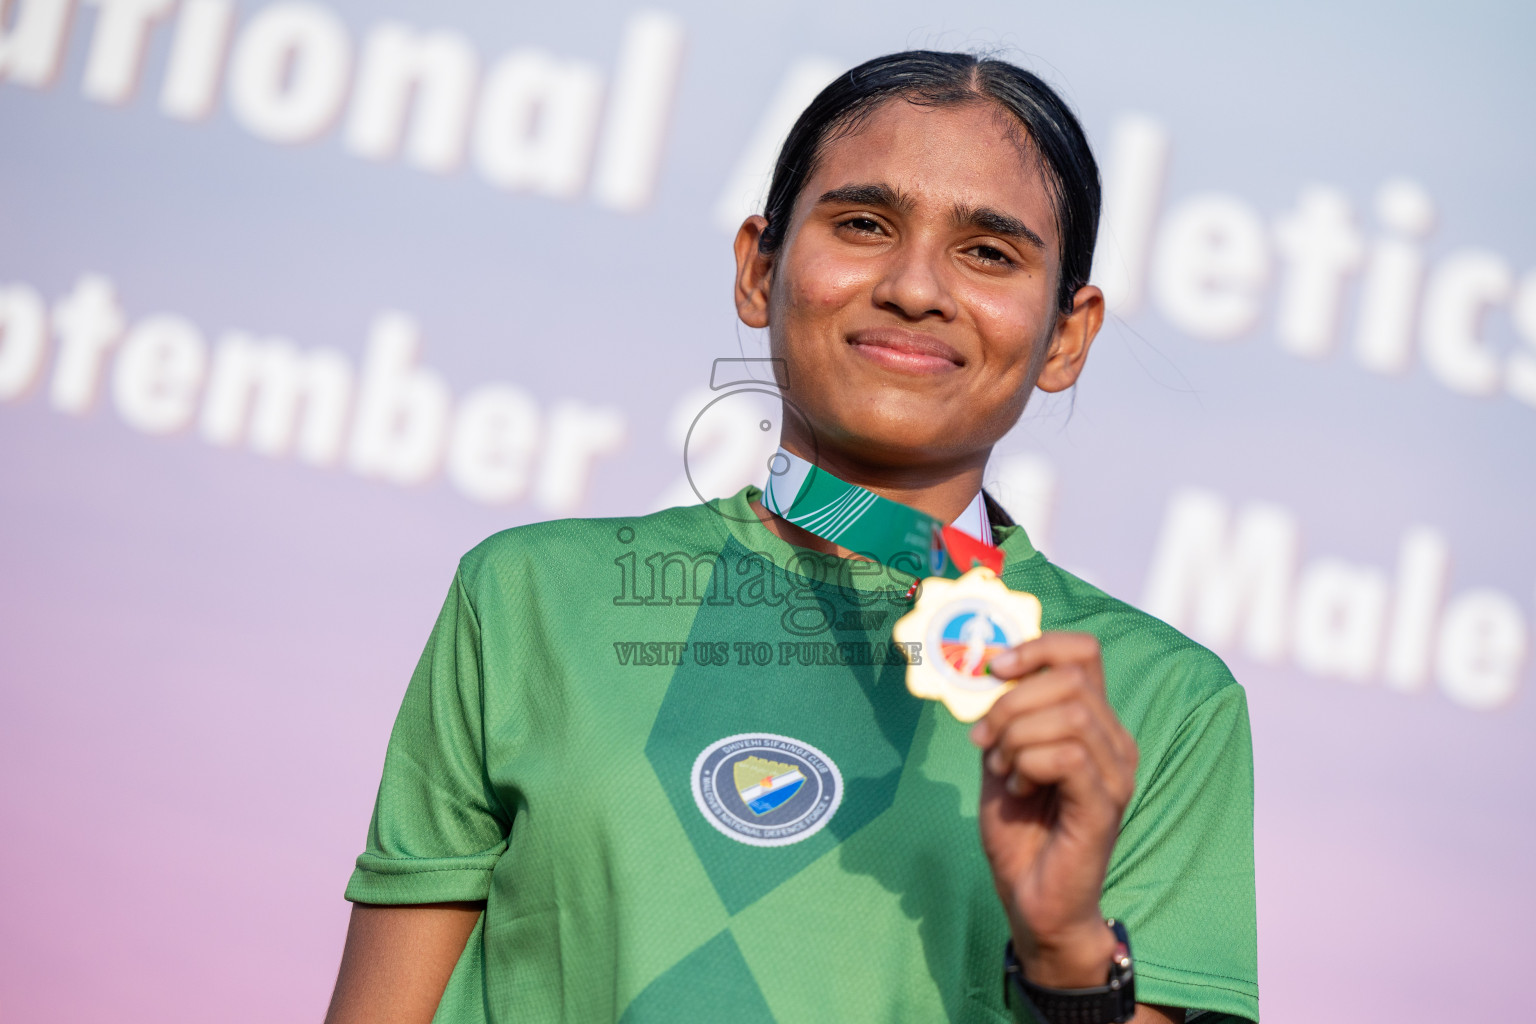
[914, 284]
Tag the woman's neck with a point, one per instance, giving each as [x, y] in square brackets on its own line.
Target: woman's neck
[941, 491]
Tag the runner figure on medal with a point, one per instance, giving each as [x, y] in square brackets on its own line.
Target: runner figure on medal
[975, 634]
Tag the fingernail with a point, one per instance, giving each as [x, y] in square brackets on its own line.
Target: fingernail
[995, 763]
[1006, 662]
[978, 734]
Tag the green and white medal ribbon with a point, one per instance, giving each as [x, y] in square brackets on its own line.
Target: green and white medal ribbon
[964, 614]
[887, 531]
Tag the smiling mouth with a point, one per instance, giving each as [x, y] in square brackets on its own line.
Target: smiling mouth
[906, 351]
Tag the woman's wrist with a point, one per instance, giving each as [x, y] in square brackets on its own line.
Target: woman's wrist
[1079, 958]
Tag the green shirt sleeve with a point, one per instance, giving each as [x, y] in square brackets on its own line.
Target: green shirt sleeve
[438, 828]
[1182, 873]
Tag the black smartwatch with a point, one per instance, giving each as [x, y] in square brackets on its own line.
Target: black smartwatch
[1112, 1003]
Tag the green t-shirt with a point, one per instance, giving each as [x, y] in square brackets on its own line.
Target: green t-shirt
[677, 758]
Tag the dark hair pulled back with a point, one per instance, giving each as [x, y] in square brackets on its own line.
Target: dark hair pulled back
[934, 78]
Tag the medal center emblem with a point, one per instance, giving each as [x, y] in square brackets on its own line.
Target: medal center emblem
[966, 635]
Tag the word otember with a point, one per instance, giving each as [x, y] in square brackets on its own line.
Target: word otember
[391, 419]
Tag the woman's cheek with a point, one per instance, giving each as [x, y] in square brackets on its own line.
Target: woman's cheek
[1008, 324]
[825, 283]
[1009, 321]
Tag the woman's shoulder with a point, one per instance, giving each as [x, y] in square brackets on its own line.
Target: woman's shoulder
[565, 548]
[1153, 671]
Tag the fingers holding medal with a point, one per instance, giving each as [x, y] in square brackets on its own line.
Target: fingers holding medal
[969, 641]
[1060, 729]
[1058, 771]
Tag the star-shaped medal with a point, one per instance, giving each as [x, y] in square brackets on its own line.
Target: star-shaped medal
[956, 628]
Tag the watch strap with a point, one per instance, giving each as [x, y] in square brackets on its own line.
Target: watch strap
[1111, 1003]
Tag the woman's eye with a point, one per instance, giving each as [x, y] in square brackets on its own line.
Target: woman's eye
[991, 254]
[865, 224]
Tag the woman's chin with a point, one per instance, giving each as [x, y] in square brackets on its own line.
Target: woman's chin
[903, 442]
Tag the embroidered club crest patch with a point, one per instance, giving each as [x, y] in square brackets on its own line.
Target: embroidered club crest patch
[766, 790]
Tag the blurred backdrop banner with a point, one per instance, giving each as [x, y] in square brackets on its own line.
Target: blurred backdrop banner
[300, 300]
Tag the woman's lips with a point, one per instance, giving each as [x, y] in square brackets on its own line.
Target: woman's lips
[907, 351]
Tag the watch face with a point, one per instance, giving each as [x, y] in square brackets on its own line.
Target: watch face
[1122, 956]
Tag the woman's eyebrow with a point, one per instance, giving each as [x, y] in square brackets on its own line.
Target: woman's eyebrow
[871, 194]
[996, 222]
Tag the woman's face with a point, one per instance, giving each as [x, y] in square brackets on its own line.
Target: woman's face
[915, 282]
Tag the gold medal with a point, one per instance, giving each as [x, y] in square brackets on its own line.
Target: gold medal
[956, 628]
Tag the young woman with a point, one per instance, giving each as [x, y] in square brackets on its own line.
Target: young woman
[665, 768]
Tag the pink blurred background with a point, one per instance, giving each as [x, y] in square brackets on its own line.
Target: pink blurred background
[203, 646]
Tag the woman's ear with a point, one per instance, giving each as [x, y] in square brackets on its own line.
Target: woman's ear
[754, 273]
[1070, 340]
